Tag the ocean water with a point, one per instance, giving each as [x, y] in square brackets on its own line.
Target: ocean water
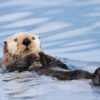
[69, 30]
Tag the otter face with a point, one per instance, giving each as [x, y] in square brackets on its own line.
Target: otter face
[23, 43]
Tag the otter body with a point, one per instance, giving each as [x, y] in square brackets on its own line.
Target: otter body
[49, 66]
[23, 52]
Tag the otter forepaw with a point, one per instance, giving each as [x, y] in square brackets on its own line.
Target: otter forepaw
[96, 77]
[31, 56]
[43, 58]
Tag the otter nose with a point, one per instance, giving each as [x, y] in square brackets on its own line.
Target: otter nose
[26, 41]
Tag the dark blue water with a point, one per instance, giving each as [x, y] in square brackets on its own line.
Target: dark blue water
[69, 30]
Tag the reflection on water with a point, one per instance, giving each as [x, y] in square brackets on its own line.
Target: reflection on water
[68, 29]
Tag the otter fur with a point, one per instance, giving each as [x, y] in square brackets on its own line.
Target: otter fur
[23, 52]
[19, 45]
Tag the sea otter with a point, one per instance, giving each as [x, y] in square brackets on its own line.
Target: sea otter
[23, 52]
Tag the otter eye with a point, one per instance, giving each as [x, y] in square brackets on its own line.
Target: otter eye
[15, 40]
[33, 38]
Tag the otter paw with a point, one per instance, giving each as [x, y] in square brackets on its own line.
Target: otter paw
[31, 56]
[96, 77]
[43, 58]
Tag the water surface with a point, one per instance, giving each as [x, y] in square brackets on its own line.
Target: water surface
[69, 30]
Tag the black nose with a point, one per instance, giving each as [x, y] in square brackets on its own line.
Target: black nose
[26, 41]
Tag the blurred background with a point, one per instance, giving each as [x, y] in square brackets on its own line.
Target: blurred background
[69, 30]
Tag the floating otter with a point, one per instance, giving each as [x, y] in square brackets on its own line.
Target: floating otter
[23, 52]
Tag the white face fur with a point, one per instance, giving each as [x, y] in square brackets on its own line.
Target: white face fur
[15, 44]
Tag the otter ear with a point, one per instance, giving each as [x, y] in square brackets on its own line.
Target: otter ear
[5, 47]
[5, 43]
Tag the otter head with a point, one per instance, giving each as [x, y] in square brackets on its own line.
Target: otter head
[21, 44]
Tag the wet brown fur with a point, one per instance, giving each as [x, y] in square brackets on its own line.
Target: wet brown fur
[48, 64]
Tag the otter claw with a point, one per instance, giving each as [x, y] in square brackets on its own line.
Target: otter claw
[96, 77]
